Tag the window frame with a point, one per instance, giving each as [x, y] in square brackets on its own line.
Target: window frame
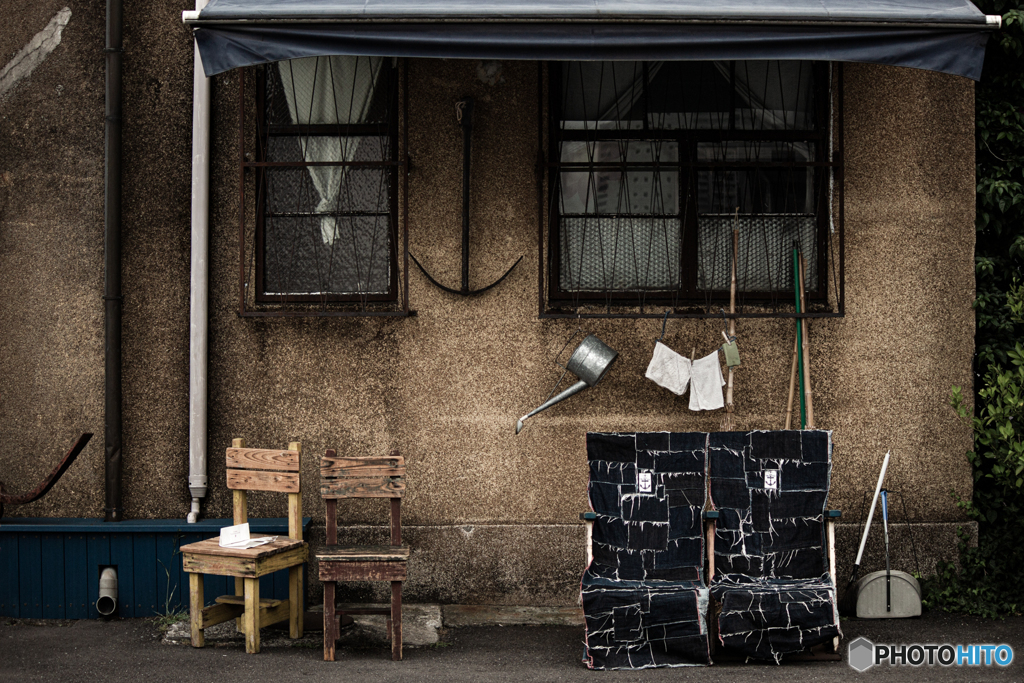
[254, 301]
[689, 300]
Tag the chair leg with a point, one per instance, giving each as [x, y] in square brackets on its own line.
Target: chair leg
[330, 622]
[251, 618]
[295, 596]
[396, 620]
[195, 608]
[240, 591]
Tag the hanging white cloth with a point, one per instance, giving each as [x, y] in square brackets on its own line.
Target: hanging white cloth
[329, 90]
[668, 369]
[706, 382]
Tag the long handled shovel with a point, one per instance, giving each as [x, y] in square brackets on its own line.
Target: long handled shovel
[848, 603]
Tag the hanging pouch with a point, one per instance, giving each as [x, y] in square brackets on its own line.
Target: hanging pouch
[668, 369]
[732, 354]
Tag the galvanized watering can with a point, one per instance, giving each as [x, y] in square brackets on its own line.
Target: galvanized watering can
[590, 361]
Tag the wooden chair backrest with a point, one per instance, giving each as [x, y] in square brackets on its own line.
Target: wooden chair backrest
[374, 477]
[377, 477]
[260, 469]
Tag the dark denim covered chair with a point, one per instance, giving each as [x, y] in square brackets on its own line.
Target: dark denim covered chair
[771, 570]
[644, 597]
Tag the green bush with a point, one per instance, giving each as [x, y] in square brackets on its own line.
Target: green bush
[987, 583]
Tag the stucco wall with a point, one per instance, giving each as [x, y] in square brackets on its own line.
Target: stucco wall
[493, 517]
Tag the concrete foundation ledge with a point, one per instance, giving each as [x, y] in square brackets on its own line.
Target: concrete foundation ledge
[456, 616]
[422, 625]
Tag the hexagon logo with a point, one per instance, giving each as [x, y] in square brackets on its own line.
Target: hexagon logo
[861, 654]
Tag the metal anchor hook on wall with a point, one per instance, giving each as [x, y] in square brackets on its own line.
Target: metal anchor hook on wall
[464, 115]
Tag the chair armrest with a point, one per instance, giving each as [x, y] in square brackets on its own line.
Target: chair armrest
[588, 521]
[710, 523]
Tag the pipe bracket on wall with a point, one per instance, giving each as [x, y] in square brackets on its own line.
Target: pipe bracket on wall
[464, 116]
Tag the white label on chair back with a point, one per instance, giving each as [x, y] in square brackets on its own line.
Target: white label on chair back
[645, 482]
[234, 536]
[771, 479]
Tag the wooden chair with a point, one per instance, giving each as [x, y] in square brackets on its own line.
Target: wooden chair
[251, 469]
[380, 477]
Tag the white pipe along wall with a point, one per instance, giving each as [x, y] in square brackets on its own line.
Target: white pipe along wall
[200, 283]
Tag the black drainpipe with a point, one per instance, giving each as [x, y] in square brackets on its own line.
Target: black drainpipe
[112, 264]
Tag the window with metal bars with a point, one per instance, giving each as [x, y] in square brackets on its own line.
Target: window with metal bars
[324, 237]
[654, 165]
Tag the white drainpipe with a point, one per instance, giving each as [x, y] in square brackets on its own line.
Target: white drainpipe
[200, 289]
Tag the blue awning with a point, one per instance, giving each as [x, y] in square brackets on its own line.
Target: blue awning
[938, 35]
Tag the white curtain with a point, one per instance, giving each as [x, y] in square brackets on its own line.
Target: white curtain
[329, 90]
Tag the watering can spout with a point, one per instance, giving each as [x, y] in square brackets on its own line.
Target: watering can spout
[574, 389]
[590, 361]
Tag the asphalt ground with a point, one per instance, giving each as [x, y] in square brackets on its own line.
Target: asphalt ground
[133, 650]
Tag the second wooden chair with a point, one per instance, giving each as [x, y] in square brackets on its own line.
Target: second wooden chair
[378, 477]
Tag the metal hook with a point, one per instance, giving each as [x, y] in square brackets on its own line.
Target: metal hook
[725, 324]
[464, 117]
[664, 321]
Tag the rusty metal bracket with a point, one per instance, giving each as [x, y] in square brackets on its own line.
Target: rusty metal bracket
[464, 116]
[47, 484]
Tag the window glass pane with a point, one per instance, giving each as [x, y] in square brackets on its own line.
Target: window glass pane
[765, 258]
[299, 260]
[619, 254]
[326, 90]
[759, 189]
[602, 95]
[773, 95]
[690, 96]
[645, 189]
[328, 148]
[754, 95]
[359, 190]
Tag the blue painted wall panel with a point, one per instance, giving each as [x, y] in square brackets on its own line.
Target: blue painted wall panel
[122, 555]
[53, 576]
[97, 555]
[144, 563]
[49, 568]
[168, 584]
[9, 575]
[76, 576]
[31, 593]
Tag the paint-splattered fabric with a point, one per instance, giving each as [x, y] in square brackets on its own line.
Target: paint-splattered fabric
[771, 573]
[644, 598]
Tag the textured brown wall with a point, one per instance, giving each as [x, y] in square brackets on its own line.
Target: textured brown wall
[51, 257]
[493, 516]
